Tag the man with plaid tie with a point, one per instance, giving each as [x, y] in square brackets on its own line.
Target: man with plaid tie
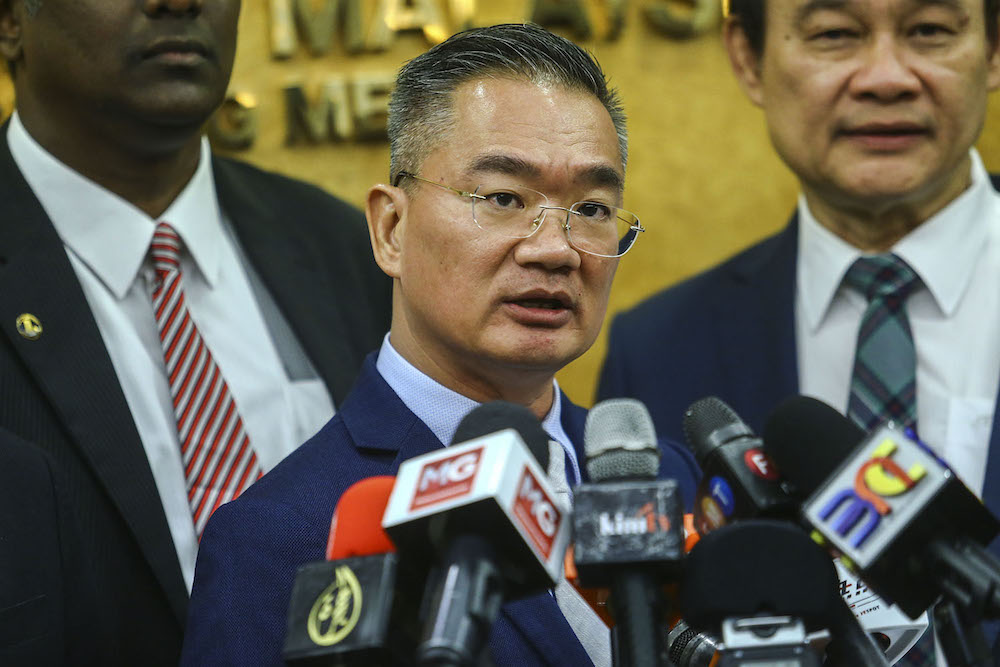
[880, 295]
[173, 323]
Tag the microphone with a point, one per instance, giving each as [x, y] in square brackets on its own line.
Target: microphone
[483, 515]
[627, 525]
[763, 602]
[341, 610]
[739, 480]
[895, 511]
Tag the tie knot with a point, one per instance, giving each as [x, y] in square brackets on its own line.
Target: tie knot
[165, 249]
[882, 276]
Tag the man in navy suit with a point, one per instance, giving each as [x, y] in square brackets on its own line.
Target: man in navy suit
[501, 232]
[875, 107]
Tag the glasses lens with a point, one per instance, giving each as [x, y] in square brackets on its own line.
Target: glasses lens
[601, 229]
[513, 211]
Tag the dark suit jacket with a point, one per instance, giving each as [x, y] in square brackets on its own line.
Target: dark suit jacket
[252, 547]
[46, 591]
[728, 332]
[61, 391]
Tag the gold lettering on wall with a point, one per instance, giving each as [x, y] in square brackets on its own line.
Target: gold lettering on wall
[318, 22]
[334, 114]
[616, 18]
[683, 19]
[394, 16]
[562, 12]
[462, 12]
[234, 124]
[371, 103]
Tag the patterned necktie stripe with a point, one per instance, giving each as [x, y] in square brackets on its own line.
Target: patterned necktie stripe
[218, 459]
[883, 384]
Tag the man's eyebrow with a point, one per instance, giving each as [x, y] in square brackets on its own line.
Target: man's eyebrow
[807, 9]
[495, 163]
[599, 175]
[955, 5]
[604, 176]
[804, 11]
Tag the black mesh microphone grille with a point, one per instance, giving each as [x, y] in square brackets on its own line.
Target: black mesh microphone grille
[499, 415]
[703, 421]
[620, 441]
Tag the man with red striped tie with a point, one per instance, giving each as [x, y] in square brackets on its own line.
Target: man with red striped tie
[174, 323]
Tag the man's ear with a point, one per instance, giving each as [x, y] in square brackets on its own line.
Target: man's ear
[993, 62]
[743, 59]
[11, 18]
[386, 208]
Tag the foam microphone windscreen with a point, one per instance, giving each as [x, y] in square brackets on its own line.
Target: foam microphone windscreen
[809, 440]
[757, 566]
[499, 415]
[356, 527]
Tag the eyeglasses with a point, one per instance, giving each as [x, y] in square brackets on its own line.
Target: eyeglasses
[516, 211]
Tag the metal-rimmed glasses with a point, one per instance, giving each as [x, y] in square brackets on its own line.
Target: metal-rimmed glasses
[516, 211]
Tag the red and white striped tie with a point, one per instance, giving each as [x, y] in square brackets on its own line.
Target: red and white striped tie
[219, 462]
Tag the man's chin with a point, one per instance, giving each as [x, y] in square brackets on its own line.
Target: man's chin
[178, 104]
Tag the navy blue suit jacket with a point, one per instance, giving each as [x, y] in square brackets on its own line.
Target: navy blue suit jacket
[728, 332]
[252, 546]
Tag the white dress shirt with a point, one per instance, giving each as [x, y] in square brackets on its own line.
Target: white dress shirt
[107, 241]
[954, 317]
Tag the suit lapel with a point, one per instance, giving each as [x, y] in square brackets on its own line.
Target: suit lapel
[71, 367]
[377, 418]
[991, 485]
[762, 321]
[299, 286]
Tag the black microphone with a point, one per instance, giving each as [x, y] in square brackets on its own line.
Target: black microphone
[482, 517]
[896, 512]
[739, 480]
[762, 585]
[359, 607]
[628, 527]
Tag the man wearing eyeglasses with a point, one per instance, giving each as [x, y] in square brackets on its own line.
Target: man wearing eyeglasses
[502, 230]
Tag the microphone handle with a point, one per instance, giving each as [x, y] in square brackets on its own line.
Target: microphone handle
[637, 606]
[465, 595]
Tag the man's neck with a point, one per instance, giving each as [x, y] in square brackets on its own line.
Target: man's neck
[150, 177]
[876, 226]
[489, 381]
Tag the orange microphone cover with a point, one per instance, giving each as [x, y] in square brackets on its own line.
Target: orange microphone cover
[356, 526]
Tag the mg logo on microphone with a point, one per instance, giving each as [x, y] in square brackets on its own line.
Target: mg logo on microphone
[447, 478]
[855, 512]
[536, 513]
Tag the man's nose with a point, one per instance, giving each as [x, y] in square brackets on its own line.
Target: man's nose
[153, 7]
[884, 71]
[549, 245]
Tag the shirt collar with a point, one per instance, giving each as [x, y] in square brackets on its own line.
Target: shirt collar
[942, 251]
[87, 216]
[439, 407]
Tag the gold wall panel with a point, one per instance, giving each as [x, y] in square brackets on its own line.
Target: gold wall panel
[701, 175]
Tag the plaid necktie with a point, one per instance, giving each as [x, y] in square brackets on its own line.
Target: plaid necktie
[219, 462]
[884, 382]
[883, 385]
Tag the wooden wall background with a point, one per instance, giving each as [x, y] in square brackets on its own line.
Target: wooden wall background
[701, 173]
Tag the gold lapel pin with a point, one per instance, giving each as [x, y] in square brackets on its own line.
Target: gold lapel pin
[29, 326]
